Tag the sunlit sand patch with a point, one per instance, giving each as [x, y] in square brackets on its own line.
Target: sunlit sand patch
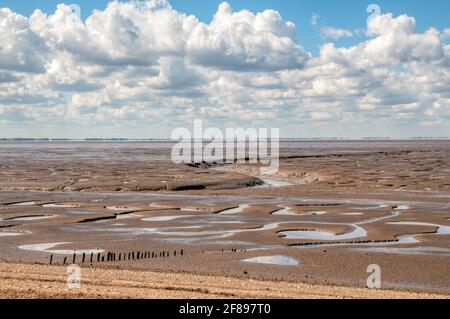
[46, 248]
[273, 260]
[61, 205]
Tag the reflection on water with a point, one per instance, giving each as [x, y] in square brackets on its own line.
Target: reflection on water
[358, 232]
[31, 218]
[46, 248]
[61, 205]
[8, 234]
[441, 229]
[441, 251]
[24, 204]
[121, 208]
[81, 212]
[273, 260]
[165, 218]
[237, 210]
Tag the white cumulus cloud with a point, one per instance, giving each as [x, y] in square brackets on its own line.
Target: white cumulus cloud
[144, 64]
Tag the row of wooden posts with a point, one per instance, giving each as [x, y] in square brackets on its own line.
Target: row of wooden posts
[113, 257]
[322, 243]
[234, 250]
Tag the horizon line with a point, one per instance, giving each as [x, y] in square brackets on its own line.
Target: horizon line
[175, 140]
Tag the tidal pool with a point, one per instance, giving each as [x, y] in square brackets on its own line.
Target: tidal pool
[273, 260]
[8, 234]
[194, 209]
[81, 212]
[271, 182]
[285, 211]
[289, 211]
[358, 232]
[24, 204]
[31, 218]
[61, 205]
[165, 218]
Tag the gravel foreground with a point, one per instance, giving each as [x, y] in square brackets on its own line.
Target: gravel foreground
[42, 281]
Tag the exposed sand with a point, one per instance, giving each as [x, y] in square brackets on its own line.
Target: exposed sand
[39, 281]
[340, 206]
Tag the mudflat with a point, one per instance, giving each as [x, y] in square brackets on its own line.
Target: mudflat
[126, 212]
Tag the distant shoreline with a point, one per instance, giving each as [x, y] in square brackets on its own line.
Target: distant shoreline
[170, 140]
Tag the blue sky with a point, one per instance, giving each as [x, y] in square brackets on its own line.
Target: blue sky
[348, 14]
[140, 71]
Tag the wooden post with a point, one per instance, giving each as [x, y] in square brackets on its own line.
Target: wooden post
[182, 252]
[98, 257]
[84, 256]
[92, 256]
[74, 258]
[175, 253]
[65, 259]
[51, 259]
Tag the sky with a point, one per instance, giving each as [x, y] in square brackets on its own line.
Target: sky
[140, 69]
